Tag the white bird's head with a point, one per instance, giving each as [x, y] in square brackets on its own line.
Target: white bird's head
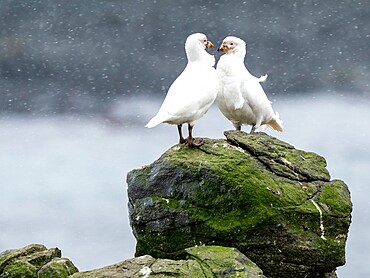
[199, 39]
[195, 46]
[233, 45]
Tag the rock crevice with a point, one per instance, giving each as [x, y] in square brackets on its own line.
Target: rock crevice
[282, 158]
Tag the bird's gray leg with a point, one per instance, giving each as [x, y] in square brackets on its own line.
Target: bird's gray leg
[182, 140]
[190, 139]
[253, 129]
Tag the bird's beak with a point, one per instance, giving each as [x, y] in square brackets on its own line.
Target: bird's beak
[222, 48]
[209, 44]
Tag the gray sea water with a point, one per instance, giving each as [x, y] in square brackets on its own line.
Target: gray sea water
[62, 179]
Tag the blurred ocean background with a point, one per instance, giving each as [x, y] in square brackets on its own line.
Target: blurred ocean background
[79, 80]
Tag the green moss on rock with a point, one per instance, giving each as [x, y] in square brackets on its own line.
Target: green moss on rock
[34, 260]
[335, 199]
[295, 164]
[224, 262]
[19, 269]
[9, 256]
[199, 262]
[59, 267]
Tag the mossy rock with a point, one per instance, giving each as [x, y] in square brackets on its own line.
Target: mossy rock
[224, 262]
[274, 203]
[8, 257]
[30, 261]
[200, 262]
[19, 269]
[58, 267]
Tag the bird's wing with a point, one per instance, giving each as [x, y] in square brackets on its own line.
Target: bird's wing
[193, 90]
[254, 94]
[235, 93]
[171, 102]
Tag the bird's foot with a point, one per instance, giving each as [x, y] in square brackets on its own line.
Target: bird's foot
[191, 143]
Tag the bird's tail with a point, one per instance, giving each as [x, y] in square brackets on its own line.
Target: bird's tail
[153, 122]
[276, 123]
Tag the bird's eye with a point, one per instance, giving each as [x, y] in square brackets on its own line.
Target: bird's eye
[231, 43]
[205, 40]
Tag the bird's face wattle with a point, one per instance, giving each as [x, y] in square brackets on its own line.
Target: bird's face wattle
[227, 46]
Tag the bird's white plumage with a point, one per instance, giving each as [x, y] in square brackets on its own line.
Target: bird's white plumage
[195, 89]
[241, 97]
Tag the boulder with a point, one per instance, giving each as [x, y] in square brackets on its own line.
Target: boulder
[201, 262]
[274, 203]
[33, 261]
[58, 268]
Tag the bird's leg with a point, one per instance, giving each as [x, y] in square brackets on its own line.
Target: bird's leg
[253, 129]
[190, 139]
[182, 140]
[237, 126]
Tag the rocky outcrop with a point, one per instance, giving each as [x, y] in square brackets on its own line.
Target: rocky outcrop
[36, 261]
[249, 206]
[200, 262]
[274, 203]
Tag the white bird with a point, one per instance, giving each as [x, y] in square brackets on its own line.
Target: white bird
[241, 97]
[193, 92]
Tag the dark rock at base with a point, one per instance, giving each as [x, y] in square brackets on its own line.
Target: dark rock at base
[274, 203]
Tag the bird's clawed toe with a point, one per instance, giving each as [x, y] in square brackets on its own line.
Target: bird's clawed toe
[192, 144]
